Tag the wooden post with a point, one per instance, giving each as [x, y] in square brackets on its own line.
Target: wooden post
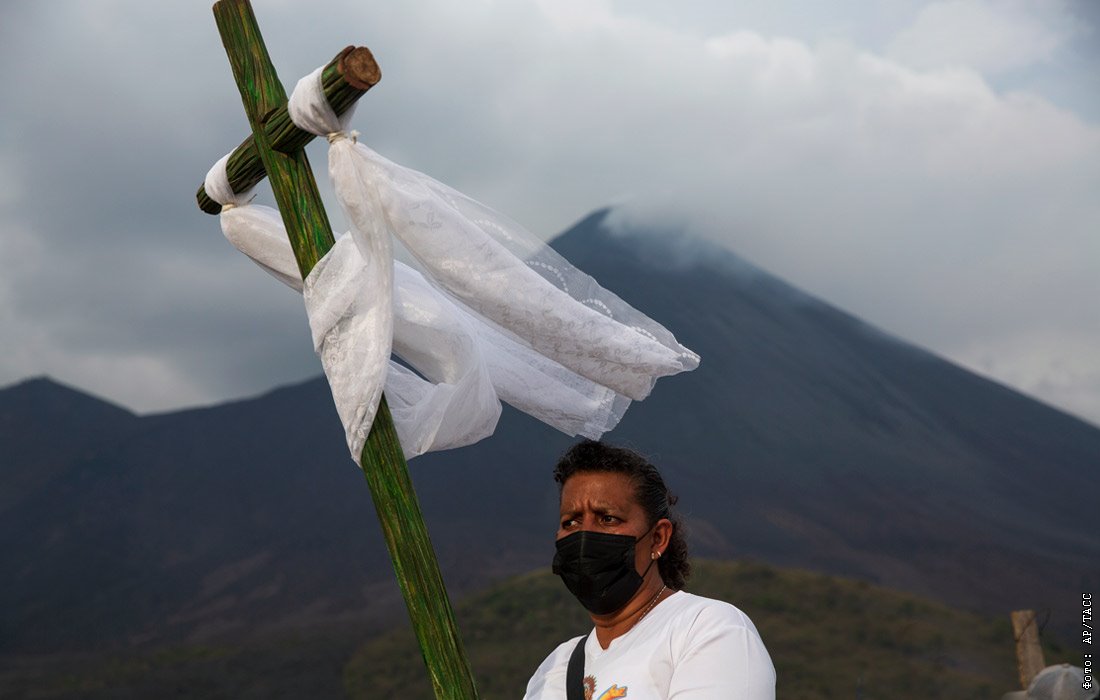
[382, 460]
[1029, 655]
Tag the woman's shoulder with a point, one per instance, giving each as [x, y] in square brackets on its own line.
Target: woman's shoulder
[716, 639]
[696, 620]
[709, 609]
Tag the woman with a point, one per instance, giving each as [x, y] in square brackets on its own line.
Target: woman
[621, 552]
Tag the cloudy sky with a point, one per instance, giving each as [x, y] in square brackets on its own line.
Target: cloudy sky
[930, 166]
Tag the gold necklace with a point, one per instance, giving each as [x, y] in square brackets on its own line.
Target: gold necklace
[652, 603]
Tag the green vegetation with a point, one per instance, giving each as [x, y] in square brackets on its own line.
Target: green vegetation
[829, 638]
[269, 667]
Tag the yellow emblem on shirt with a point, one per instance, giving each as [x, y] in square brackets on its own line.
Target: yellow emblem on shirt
[614, 692]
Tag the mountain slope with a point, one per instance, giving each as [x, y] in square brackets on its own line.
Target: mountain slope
[44, 427]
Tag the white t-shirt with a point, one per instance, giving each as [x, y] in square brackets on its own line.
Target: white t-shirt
[686, 648]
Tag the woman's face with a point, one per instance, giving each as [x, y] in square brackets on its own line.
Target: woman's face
[604, 502]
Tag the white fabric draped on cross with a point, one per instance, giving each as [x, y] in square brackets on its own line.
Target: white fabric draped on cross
[492, 314]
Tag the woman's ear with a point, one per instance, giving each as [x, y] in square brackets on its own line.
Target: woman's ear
[662, 535]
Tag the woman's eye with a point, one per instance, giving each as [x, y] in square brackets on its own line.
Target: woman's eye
[608, 519]
[565, 524]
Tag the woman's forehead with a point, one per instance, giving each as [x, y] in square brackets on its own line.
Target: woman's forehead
[608, 488]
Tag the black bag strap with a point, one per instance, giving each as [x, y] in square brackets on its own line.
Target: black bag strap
[574, 673]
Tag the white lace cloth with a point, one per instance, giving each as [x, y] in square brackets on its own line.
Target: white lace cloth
[495, 314]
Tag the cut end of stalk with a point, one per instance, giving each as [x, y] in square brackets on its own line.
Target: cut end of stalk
[359, 68]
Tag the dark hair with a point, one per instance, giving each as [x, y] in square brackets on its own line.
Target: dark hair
[649, 490]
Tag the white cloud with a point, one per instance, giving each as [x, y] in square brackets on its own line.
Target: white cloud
[991, 36]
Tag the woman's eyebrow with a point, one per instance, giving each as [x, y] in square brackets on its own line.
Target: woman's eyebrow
[599, 507]
[573, 509]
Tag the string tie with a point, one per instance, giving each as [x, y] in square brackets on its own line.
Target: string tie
[335, 136]
[231, 204]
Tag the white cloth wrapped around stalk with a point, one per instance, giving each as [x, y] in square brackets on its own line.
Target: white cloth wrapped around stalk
[509, 318]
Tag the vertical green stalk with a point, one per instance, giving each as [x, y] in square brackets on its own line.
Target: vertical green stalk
[382, 459]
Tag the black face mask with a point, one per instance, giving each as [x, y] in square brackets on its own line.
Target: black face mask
[598, 568]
